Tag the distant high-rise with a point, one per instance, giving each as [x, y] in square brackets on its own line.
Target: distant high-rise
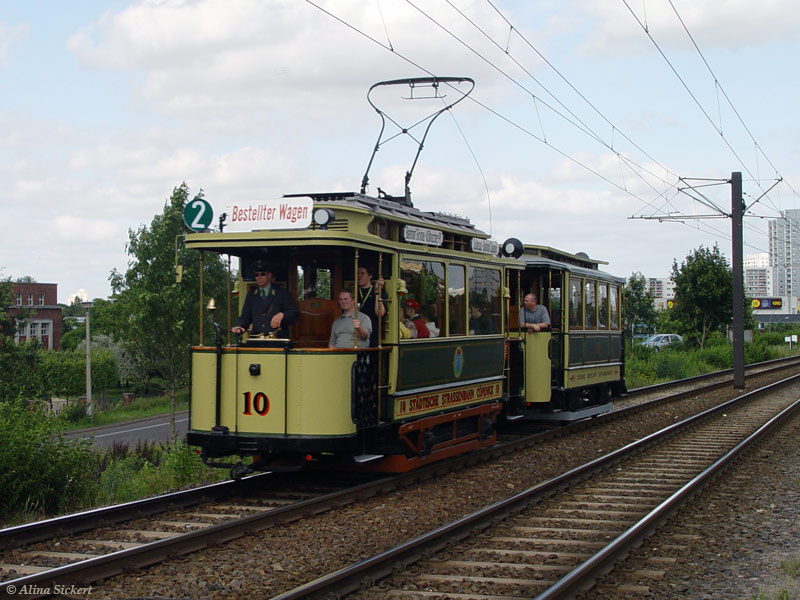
[784, 253]
[758, 275]
[662, 289]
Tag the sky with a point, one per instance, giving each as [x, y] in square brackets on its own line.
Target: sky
[588, 122]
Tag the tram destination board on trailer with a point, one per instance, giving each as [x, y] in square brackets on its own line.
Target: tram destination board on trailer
[446, 357]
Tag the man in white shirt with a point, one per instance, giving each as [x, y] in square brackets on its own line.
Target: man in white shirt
[349, 323]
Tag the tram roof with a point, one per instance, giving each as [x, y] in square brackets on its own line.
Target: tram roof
[394, 207]
[580, 264]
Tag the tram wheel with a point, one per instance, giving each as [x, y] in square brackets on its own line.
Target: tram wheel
[239, 470]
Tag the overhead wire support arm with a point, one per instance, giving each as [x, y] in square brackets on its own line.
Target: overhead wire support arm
[434, 83]
[767, 191]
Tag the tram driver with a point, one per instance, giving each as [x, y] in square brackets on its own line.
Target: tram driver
[268, 307]
[533, 316]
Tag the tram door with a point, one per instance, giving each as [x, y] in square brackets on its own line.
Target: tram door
[314, 283]
[539, 345]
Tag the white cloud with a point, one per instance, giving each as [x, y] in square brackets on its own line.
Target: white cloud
[216, 56]
[84, 230]
[10, 35]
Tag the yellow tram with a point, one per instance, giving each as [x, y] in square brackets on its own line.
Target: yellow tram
[396, 405]
[448, 359]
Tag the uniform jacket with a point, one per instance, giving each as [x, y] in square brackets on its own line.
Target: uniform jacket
[259, 311]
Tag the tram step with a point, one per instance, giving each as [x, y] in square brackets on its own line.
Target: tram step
[365, 458]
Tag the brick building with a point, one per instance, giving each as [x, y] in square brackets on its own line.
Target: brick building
[39, 301]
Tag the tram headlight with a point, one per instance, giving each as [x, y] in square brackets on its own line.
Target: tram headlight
[322, 217]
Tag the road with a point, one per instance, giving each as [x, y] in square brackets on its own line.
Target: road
[150, 429]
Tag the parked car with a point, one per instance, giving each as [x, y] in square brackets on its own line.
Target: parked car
[662, 340]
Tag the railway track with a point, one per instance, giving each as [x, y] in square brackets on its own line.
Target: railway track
[44, 555]
[554, 540]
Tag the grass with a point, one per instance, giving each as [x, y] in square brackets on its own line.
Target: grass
[791, 567]
[644, 366]
[119, 413]
[779, 595]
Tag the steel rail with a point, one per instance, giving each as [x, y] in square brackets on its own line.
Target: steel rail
[114, 563]
[351, 578]
[29, 533]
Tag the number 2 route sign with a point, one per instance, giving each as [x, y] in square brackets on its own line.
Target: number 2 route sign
[198, 215]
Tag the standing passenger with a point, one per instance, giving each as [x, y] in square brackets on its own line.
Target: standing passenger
[533, 316]
[350, 322]
[368, 302]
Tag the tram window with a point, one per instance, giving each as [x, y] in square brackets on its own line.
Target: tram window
[382, 229]
[484, 300]
[590, 299]
[555, 308]
[602, 305]
[425, 284]
[614, 307]
[575, 304]
[314, 282]
[457, 300]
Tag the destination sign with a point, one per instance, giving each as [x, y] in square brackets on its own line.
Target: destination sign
[421, 235]
[485, 246]
[285, 213]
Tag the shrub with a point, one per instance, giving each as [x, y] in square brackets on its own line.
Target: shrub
[758, 352]
[719, 357]
[672, 365]
[40, 472]
[74, 411]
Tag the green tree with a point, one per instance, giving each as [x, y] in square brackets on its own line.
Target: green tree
[703, 294]
[16, 360]
[73, 310]
[639, 305]
[153, 316]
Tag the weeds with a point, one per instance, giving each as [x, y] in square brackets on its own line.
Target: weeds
[148, 470]
[779, 595]
[791, 567]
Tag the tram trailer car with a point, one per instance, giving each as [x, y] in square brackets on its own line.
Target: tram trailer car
[576, 368]
[295, 403]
